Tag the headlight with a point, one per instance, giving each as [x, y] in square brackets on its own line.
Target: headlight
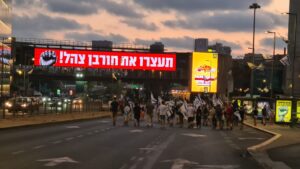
[24, 105]
[59, 103]
[79, 101]
[49, 99]
[8, 104]
[44, 99]
[66, 100]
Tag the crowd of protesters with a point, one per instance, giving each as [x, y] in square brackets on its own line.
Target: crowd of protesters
[208, 112]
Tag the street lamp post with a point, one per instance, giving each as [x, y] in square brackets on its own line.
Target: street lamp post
[273, 59]
[294, 52]
[254, 6]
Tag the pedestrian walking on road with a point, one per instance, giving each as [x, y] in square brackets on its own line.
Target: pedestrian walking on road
[127, 110]
[254, 114]
[137, 114]
[242, 115]
[264, 115]
[114, 109]
[162, 111]
[190, 114]
[149, 111]
[198, 116]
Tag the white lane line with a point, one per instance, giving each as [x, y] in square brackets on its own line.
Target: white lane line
[38, 147]
[141, 159]
[69, 138]
[250, 138]
[89, 133]
[17, 152]
[57, 142]
[136, 131]
[107, 128]
[72, 127]
[193, 135]
[103, 130]
[79, 136]
[96, 131]
[133, 158]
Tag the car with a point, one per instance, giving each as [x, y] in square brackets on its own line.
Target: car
[24, 104]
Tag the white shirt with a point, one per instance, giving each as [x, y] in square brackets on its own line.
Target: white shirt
[162, 109]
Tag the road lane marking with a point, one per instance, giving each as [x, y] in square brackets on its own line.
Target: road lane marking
[96, 131]
[193, 135]
[69, 139]
[218, 166]
[51, 162]
[79, 136]
[179, 163]
[38, 147]
[89, 133]
[136, 131]
[153, 157]
[141, 159]
[17, 152]
[57, 142]
[250, 138]
[72, 127]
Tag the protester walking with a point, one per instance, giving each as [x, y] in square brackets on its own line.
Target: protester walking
[162, 111]
[114, 109]
[137, 114]
[264, 115]
[149, 111]
[127, 111]
[242, 115]
[254, 114]
[198, 116]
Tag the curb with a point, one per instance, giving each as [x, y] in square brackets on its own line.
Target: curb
[255, 148]
[53, 122]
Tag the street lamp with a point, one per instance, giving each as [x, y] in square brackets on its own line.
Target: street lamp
[272, 71]
[254, 6]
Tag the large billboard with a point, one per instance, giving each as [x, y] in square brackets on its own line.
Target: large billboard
[283, 111]
[105, 60]
[204, 72]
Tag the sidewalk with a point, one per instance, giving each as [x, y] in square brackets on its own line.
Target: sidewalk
[49, 118]
[286, 135]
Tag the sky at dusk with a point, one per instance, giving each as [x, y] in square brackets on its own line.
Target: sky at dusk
[176, 23]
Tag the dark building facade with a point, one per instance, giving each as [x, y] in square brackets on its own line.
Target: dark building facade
[293, 49]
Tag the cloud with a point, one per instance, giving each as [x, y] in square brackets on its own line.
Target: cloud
[94, 36]
[72, 7]
[186, 43]
[234, 21]
[268, 42]
[140, 24]
[191, 6]
[120, 9]
[233, 45]
[89, 7]
[39, 25]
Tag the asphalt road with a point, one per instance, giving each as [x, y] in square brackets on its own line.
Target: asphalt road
[288, 154]
[96, 144]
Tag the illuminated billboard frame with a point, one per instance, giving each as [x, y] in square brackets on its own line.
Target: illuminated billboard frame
[105, 60]
[283, 111]
[204, 72]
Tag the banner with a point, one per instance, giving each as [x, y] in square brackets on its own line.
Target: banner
[106, 60]
[204, 72]
[283, 111]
